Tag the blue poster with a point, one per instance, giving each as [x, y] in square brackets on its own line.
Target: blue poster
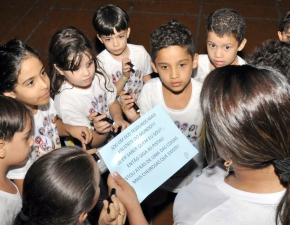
[148, 152]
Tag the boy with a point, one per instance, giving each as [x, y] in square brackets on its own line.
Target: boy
[274, 54]
[225, 31]
[16, 125]
[173, 57]
[284, 28]
[112, 26]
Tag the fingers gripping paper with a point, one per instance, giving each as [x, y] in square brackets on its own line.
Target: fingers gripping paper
[148, 152]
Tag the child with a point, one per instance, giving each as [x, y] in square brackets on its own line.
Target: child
[274, 54]
[23, 77]
[79, 86]
[112, 26]
[247, 115]
[173, 57]
[225, 32]
[61, 188]
[284, 28]
[16, 125]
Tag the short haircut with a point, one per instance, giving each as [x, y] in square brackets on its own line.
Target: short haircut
[285, 22]
[14, 116]
[109, 17]
[59, 186]
[274, 54]
[226, 22]
[172, 33]
[12, 54]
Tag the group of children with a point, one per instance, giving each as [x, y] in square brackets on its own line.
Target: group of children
[90, 97]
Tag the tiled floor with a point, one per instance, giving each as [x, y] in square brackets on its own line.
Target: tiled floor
[35, 21]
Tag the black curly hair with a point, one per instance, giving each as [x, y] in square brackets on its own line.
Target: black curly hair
[285, 22]
[170, 34]
[274, 54]
[227, 22]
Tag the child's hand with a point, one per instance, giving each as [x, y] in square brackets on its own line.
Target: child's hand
[83, 134]
[128, 197]
[127, 106]
[126, 69]
[117, 215]
[120, 122]
[101, 126]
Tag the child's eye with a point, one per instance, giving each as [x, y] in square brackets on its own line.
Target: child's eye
[43, 73]
[107, 39]
[164, 67]
[30, 83]
[182, 64]
[27, 138]
[121, 36]
[227, 47]
[90, 63]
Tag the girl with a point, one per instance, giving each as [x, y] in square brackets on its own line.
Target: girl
[76, 81]
[23, 77]
[247, 121]
[16, 124]
[61, 188]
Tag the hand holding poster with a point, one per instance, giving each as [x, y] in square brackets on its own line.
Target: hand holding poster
[148, 152]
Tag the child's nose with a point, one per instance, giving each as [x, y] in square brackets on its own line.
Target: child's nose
[174, 74]
[115, 43]
[218, 53]
[44, 82]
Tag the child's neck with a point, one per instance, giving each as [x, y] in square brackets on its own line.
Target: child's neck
[6, 185]
[178, 101]
[123, 55]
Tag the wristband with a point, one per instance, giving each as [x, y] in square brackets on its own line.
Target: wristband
[125, 80]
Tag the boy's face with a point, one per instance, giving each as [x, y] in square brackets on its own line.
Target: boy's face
[116, 43]
[284, 36]
[222, 51]
[174, 66]
[23, 139]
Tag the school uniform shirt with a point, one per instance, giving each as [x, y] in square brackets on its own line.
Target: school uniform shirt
[45, 136]
[203, 68]
[74, 105]
[139, 58]
[10, 206]
[188, 120]
[208, 199]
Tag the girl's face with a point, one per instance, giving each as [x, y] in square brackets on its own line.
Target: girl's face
[32, 87]
[19, 156]
[83, 77]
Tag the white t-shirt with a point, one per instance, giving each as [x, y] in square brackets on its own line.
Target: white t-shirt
[203, 68]
[74, 105]
[10, 205]
[188, 120]
[139, 58]
[209, 200]
[45, 136]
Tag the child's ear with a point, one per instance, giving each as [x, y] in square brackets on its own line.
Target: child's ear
[128, 32]
[83, 217]
[10, 94]
[2, 149]
[153, 66]
[195, 61]
[58, 69]
[242, 45]
[280, 35]
[98, 36]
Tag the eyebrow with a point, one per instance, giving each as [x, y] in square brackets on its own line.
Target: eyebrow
[30, 78]
[178, 61]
